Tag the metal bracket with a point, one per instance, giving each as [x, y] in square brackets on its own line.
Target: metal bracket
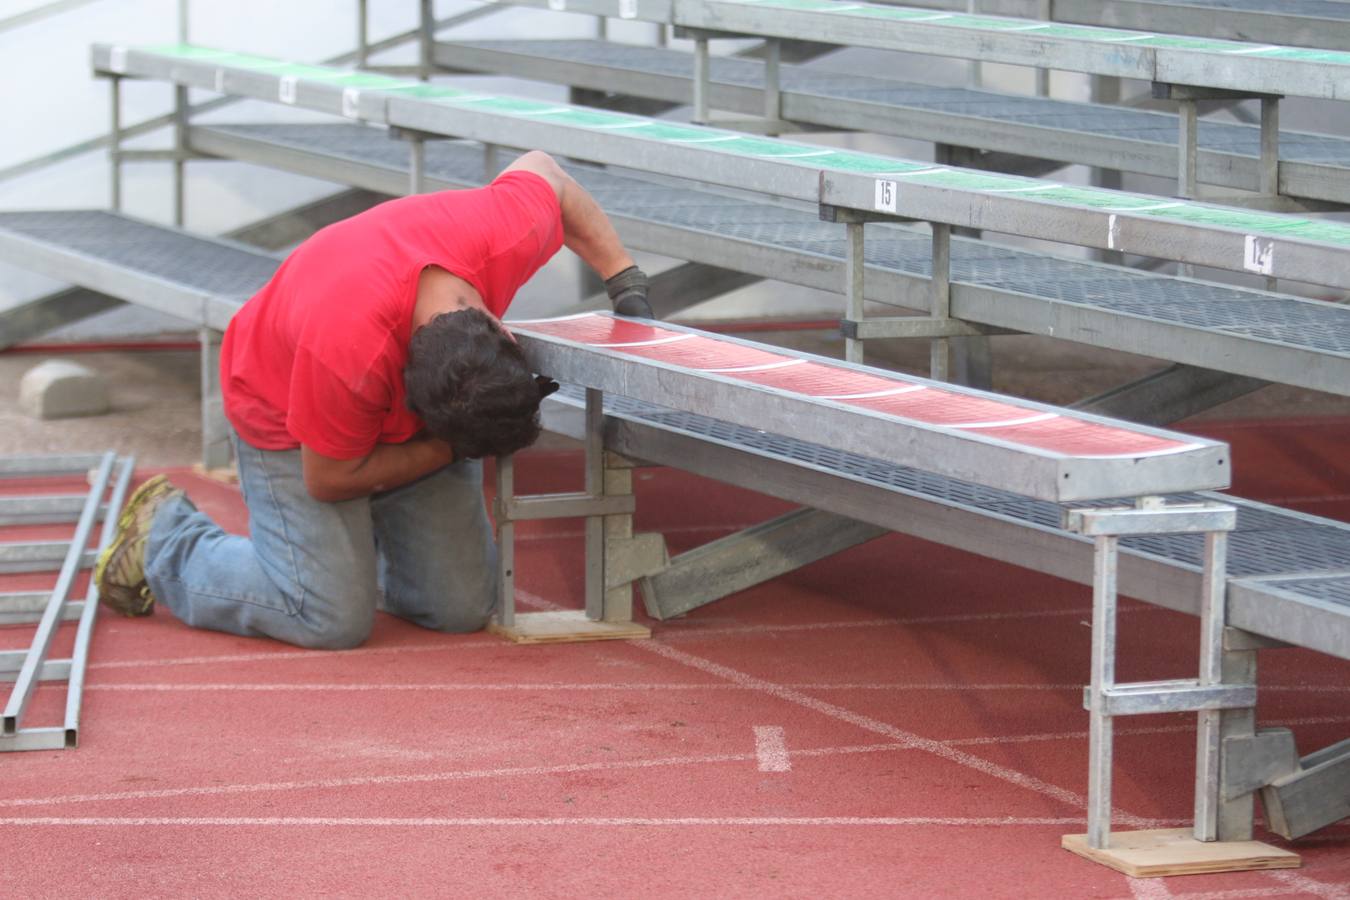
[914, 327]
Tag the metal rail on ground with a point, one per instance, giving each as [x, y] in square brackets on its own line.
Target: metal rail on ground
[109, 477]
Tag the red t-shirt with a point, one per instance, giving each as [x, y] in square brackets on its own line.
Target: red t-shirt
[316, 357]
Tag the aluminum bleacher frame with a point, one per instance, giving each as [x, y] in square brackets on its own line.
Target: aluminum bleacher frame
[1214, 817]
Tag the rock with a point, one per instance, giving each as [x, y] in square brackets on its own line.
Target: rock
[60, 389]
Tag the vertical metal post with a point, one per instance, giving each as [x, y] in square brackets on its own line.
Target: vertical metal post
[362, 33]
[115, 145]
[618, 528]
[1100, 749]
[1235, 815]
[183, 20]
[1270, 145]
[662, 35]
[180, 118]
[425, 38]
[701, 74]
[1211, 672]
[853, 287]
[417, 165]
[506, 543]
[1044, 12]
[975, 72]
[601, 27]
[491, 161]
[1186, 149]
[215, 427]
[940, 304]
[595, 486]
[1270, 159]
[773, 91]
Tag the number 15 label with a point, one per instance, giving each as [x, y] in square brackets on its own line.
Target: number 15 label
[886, 196]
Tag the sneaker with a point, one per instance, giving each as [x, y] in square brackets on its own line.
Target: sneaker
[120, 573]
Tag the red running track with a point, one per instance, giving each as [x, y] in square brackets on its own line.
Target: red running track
[902, 720]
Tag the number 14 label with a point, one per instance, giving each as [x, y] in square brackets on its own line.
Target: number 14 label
[886, 196]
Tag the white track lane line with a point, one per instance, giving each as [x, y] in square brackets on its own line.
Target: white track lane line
[673, 339]
[758, 367]
[486, 822]
[867, 395]
[906, 738]
[1306, 885]
[1148, 889]
[771, 749]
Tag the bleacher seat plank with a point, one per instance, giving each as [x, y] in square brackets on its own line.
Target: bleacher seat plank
[1032, 449]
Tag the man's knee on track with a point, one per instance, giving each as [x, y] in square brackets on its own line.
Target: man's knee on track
[338, 633]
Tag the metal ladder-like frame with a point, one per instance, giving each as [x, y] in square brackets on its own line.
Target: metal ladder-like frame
[615, 557]
[109, 478]
[1224, 705]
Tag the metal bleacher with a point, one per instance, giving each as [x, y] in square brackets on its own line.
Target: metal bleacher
[1312, 166]
[1324, 24]
[697, 193]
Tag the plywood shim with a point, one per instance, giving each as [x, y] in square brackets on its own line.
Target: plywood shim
[567, 626]
[1175, 851]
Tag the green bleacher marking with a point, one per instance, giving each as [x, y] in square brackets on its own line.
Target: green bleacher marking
[818, 158]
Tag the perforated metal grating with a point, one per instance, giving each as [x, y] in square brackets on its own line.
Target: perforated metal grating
[1215, 307]
[1119, 122]
[1266, 542]
[195, 263]
[1331, 589]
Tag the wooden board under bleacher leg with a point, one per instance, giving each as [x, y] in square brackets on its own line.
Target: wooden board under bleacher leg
[1153, 853]
[565, 627]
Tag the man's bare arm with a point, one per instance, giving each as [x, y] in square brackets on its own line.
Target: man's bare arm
[386, 467]
[587, 231]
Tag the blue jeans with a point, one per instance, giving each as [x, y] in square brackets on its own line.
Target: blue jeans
[311, 573]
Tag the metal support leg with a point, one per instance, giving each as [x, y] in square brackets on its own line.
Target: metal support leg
[492, 161]
[773, 91]
[506, 543]
[940, 304]
[601, 28]
[1186, 151]
[426, 27]
[702, 66]
[1270, 159]
[1186, 148]
[215, 427]
[1211, 673]
[853, 287]
[184, 20]
[607, 505]
[180, 116]
[417, 165]
[115, 144]
[1235, 814]
[1100, 743]
[595, 487]
[1223, 697]
[362, 33]
[1044, 12]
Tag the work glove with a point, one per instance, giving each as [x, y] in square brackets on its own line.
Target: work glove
[628, 292]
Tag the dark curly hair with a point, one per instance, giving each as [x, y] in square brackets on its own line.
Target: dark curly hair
[471, 386]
